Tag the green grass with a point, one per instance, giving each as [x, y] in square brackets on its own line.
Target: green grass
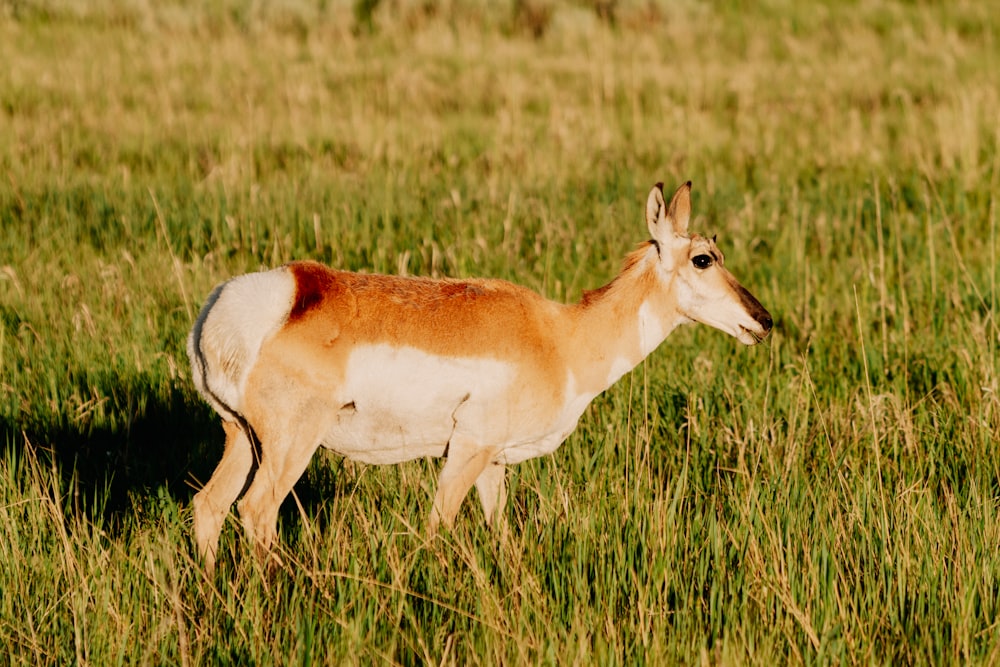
[828, 497]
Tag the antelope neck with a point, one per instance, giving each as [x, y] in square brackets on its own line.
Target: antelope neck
[618, 325]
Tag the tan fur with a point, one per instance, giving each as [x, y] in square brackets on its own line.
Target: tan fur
[382, 369]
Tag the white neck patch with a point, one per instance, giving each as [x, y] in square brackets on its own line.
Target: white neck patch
[652, 331]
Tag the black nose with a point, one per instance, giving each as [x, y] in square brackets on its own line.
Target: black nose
[765, 321]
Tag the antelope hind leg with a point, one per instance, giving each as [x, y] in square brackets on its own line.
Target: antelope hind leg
[285, 455]
[212, 504]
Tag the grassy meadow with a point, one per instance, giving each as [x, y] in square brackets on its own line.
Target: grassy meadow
[829, 497]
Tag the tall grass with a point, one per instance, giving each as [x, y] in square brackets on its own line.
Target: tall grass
[830, 497]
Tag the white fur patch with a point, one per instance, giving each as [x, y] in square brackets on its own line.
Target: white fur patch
[231, 328]
[619, 367]
[405, 403]
[652, 329]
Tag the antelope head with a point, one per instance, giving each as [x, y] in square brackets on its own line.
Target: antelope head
[705, 291]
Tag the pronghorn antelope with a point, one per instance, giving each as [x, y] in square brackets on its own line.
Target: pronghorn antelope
[384, 369]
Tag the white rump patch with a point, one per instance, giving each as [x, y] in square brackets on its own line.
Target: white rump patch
[233, 324]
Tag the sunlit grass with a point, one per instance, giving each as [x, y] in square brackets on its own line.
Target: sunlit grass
[828, 497]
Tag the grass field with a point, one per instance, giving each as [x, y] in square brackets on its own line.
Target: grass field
[829, 497]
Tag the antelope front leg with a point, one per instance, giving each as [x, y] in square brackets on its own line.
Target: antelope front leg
[493, 494]
[460, 472]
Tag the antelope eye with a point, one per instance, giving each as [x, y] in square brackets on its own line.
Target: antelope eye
[702, 261]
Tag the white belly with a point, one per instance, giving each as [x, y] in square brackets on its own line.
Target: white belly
[401, 403]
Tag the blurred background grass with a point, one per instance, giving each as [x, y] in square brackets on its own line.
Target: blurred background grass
[830, 497]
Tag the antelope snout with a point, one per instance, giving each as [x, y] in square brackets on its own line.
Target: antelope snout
[757, 320]
[765, 321]
[757, 327]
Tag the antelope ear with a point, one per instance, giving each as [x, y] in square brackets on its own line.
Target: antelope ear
[679, 212]
[663, 221]
[656, 212]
